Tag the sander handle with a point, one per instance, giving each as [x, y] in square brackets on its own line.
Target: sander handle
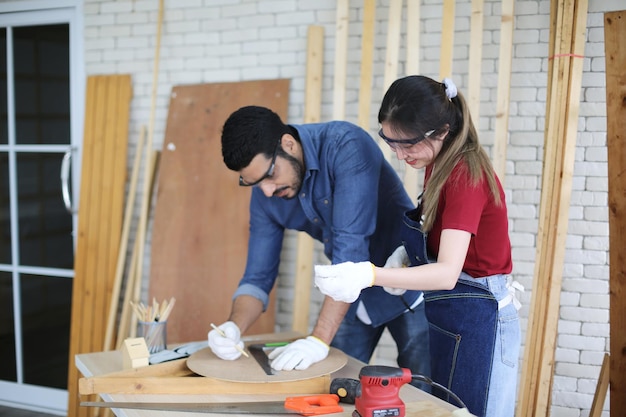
[347, 389]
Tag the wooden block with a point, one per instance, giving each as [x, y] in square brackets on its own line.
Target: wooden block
[135, 353]
[198, 385]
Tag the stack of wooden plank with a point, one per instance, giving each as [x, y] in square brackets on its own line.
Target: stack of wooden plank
[567, 42]
[99, 216]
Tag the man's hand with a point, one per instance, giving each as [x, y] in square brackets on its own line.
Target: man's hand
[299, 354]
[225, 347]
[344, 281]
[398, 259]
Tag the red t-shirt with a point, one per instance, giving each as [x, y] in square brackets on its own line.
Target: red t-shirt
[463, 206]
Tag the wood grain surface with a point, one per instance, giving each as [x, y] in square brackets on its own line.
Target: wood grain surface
[200, 231]
[205, 363]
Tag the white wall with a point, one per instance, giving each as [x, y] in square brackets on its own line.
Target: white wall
[231, 40]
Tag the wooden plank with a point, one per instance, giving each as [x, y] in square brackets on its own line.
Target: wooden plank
[568, 29]
[412, 37]
[109, 341]
[200, 230]
[615, 53]
[99, 217]
[603, 384]
[392, 50]
[394, 24]
[410, 178]
[447, 40]
[128, 319]
[367, 57]
[504, 89]
[145, 200]
[476, 58]
[199, 385]
[305, 244]
[341, 56]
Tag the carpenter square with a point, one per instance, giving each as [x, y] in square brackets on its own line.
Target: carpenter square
[259, 354]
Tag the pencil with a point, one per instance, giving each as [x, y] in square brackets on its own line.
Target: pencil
[221, 332]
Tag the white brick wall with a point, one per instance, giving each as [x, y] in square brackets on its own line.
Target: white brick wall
[230, 40]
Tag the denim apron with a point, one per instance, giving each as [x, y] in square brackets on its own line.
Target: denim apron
[462, 328]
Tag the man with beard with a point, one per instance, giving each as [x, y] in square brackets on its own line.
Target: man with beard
[331, 181]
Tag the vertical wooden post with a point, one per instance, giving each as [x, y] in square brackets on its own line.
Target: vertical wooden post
[447, 40]
[394, 23]
[567, 46]
[341, 53]
[475, 59]
[312, 109]
[410, 178]
[615, 53]
[504, 88]
[367, 53]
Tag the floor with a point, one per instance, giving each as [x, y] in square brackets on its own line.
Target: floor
[17, 412]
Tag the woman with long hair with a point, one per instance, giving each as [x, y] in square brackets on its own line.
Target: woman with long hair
[456, 247]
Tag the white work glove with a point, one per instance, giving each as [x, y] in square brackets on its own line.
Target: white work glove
[344, 281]
[398, 259]
[299, 354]
[226, 347]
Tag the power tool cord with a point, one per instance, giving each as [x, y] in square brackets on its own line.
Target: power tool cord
[430, 382]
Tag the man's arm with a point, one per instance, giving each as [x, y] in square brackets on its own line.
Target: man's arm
[245, 311]
[329, 319]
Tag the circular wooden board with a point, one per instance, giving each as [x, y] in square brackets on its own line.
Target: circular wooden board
[205, 363]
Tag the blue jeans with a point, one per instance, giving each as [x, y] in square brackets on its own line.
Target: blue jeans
[475, 340]
[408, 330]
[503, 383]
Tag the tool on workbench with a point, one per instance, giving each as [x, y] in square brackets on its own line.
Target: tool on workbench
[307, 405]
[376, 392]
[221, 332]
[259, 353]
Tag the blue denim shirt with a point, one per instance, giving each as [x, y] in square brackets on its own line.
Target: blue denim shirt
[351, 200]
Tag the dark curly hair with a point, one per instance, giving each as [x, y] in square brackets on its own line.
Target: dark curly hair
[249, 131]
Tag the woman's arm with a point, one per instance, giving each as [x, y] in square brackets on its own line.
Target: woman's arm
[441, 275]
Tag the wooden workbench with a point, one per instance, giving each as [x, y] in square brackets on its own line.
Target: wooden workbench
[102, 363]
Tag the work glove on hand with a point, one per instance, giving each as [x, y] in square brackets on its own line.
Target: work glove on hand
[398, 259]
[299, 354]
[226, 347]
[344, 281]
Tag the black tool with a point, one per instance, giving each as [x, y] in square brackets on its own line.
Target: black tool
[258, 352]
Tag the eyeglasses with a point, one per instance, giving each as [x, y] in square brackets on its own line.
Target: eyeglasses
[267, 174]
[403, 143]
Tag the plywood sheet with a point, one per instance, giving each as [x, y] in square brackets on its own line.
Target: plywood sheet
[246, 369]
[200, 231]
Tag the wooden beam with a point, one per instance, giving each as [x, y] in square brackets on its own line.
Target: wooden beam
[476, 59]
[410, 178]
[305, 244]
[109, 341]
[367, 57]
[394, 23]
[145, 202]
[447, 40]
[567, 46]
[603, 384]
[615, 53]
[504, 89]
[341, 56]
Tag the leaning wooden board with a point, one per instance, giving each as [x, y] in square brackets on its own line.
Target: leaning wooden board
[200, 231]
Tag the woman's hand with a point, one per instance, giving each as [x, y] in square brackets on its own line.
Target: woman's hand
[344, 281]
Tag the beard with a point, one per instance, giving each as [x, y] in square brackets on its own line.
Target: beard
[297, 178]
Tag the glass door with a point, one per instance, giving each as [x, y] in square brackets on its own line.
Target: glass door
[36, 225]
